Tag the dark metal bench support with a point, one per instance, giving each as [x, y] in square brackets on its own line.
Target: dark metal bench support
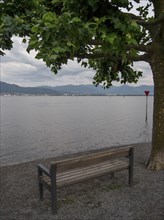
[53, 190]
[51, 173]
[131, 164]
[40, 185]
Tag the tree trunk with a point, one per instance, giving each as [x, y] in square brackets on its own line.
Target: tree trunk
[156, 161]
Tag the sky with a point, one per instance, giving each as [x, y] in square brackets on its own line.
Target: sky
[19, 67]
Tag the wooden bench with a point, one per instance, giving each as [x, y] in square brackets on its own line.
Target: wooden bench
[76, 169]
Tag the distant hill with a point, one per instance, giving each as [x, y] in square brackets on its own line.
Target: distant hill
[15, 89]
[75, 90]
[114, 90]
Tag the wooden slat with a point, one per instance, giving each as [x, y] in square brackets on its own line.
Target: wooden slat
[81, 174]
[46, 181]
[77, 172]
[89, 155]
[85, 169]
[89, 174]
[91, 158]
[88, 161]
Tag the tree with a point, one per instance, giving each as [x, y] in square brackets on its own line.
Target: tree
[101, 34]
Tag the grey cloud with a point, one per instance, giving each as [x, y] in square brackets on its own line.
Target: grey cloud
[23, 69]
[147, 76]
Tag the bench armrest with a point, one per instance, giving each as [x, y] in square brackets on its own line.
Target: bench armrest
[44, 169]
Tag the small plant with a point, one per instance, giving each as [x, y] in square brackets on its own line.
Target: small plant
[112, 187]
[65, 201]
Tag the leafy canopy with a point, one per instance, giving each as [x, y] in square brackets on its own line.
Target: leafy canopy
[97, 32]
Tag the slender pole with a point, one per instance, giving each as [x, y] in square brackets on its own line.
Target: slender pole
[146, 93]
[146, 108]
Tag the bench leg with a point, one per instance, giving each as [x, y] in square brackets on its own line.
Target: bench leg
[54, 200]
[40, 191]
[112, 175]
[130, 177]
[53, 190]
[131, 164]
[40, 186]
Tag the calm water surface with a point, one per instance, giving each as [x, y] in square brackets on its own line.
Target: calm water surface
[35, 127]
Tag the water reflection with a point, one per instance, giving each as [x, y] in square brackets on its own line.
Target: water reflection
[145, 131]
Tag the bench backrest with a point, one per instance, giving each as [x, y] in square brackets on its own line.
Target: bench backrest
[91, 158]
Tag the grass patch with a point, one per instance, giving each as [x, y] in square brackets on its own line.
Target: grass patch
[66, 201]
[112, 187]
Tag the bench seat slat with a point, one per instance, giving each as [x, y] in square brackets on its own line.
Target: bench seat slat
[46, 182]
[80, 174]
[89, 174]
[91, 168]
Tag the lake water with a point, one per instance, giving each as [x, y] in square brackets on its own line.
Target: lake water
[34, 127]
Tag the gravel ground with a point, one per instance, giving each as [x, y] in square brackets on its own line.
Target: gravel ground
[99, 199]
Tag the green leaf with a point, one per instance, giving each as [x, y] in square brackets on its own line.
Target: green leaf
[135, 26]
[111, 37]
[59, 49]
[34, 29]
[54, 57]
[70, 44]
[56, 1]
[24, 40]
[93, 4]
[49, 16]
[85, 64]
[132, 41]
[75, 20]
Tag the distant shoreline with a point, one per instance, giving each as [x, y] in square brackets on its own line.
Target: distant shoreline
[65, 155]
[1, 94]
[77, 90]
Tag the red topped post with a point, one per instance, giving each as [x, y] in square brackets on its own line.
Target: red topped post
[146, 93]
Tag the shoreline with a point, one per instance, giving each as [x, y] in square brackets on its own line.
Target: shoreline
[102, 198]
[66, 155]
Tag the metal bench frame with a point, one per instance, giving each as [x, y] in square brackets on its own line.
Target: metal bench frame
[76, 169]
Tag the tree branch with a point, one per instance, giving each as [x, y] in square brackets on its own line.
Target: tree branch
[133, 16]
[143, 22]
[144, 57]
[158, 20]
[2, 53]
[95, 42]
[140, 47]
[93, 56]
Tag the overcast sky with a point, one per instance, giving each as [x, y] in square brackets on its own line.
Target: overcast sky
[19, 67]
